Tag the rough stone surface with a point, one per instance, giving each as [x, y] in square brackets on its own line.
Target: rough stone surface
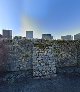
[42, 56]
[20, 55]
[65, 53]
[43, 62]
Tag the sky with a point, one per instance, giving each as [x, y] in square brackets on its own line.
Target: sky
[56, 17]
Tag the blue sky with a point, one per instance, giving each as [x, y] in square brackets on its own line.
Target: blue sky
[58, 17]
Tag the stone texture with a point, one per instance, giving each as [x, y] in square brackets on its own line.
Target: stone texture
[20, 55]
[65, 53]
[42, 56]
[43, 61]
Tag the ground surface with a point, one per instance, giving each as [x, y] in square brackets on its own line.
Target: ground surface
[58, 84]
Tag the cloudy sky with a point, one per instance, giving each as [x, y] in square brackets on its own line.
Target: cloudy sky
[58, 17]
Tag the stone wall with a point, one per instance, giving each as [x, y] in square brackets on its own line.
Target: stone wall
[69, 70]
[43, 61]
[20, 55]
[43, 57]
[65, 53]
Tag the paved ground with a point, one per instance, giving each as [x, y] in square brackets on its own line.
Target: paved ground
[58, 84]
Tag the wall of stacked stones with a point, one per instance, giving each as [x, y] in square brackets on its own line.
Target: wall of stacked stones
[78, 52]
[43, 60]
[67, 56]
[20, 55]
[60, 55]
[65, 53]
[44, 57]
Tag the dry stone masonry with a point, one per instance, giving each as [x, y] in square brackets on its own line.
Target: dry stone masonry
[43, 62]
[65, 53]
[20, 55]
[44, 58]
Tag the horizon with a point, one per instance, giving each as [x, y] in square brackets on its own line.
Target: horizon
[41, 35]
